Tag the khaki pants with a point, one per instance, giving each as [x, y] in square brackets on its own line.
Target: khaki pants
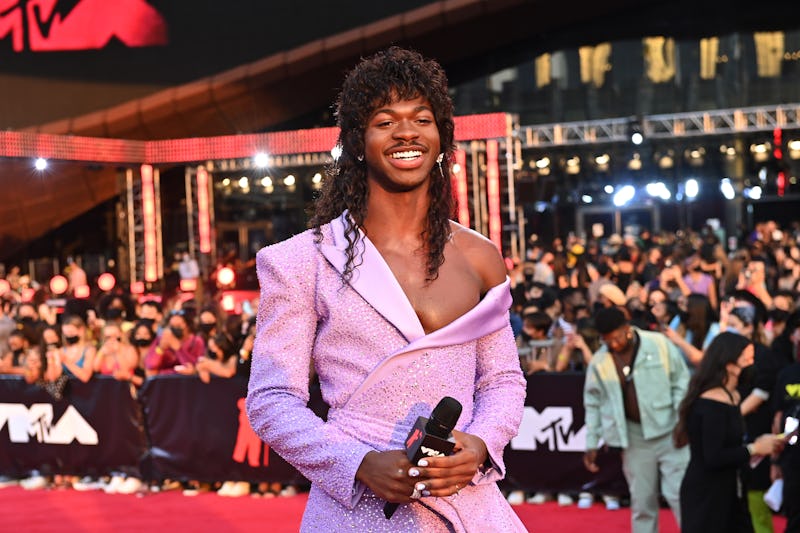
[643, 462]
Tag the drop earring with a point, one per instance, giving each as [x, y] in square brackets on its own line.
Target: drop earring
[439, 160]
[360, 158]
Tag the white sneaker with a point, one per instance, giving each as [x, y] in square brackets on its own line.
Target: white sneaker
[585, 500]
[33, 483]
[288, 491]
[86, 483]
[565, 499]
[516, 497]
[539, 498]
[239, 488]
[226, 488]
[114, 485]
[612, 503]
[131, 485]
[6, 481]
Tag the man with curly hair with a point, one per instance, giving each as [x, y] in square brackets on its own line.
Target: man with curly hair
[396, 306]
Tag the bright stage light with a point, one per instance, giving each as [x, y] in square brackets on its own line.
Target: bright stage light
[692, 188]
[586, 199]
[609, 189]
[726, 187]
[754, 193]
[624, 195]
[261, 160]
[244, 182]
[106, 281]
[40, 164]
[289, 180]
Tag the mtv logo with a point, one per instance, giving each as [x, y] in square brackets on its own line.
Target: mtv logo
[552, 428]
[37, 421]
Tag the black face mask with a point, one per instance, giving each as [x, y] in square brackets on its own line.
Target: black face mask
[206, 327]
[178, 332]
[142, 342]
[18, 352]
[113, 313]
[27, 320]
[72, 340]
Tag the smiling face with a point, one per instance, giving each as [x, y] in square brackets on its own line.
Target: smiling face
[401, 144]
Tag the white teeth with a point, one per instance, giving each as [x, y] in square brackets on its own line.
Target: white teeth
[411, 154]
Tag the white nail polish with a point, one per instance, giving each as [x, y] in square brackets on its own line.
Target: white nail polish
[422, 462]
[413, 472]
[420, 486]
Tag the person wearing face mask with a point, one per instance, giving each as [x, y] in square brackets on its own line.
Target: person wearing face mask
[13, 361]
[151, 312]
[77, 356]
[713, 491]
[140, 336]
[744, 315]
[176, 349]
[208, 323]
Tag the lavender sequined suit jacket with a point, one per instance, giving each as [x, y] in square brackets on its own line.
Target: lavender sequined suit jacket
[378, 371]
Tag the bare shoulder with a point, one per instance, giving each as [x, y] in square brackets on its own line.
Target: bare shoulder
[481, 254]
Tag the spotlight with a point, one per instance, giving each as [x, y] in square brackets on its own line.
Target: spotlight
[456, 170]
[40, 164]
[754, 193]
[106, 281]
[695, 156]
[58, 285]
[244, 182]
[266, 181]
[226, 182]
[726, 187]
[289, 180]
[261, 160]
[624, 195]
[573, 165]
[666, 161]
[318, 177]
[226, 276]
[609, 189]
[636, 162]
[586, 199]
[760, 151]
[691, 188]
[543, 162]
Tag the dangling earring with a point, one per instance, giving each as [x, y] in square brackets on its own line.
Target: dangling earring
[360, 158]
[439, 160]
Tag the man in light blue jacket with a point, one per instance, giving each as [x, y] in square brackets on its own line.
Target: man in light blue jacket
[634, 385]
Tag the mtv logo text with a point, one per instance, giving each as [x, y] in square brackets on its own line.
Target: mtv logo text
[551, 430]
[37, 421]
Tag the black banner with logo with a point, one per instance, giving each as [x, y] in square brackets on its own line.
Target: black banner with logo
[95, 429]
[547, 454]
[200, 431]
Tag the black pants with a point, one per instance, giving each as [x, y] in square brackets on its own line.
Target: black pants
[791, 492]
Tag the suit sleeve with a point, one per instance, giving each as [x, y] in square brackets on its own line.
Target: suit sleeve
[278, 391]
[678, 374]
[499, 399]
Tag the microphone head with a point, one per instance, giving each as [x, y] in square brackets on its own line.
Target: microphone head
[444, 417]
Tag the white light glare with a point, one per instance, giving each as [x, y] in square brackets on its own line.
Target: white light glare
[658, 189]
[608, 189]
[40, 163]
[289, 181]
[624, 195]
[261, 160]
[336, 152]
[637, 138]
[692, 188]
[244, 182]
[543, 162]
[586, 199]
[726, 187]
[754, 193]
[266, 181]
[317, 178]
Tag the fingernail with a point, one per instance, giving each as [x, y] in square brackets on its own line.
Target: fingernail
[422, 462]
[426, 493]
[413, 472]
[420, 486]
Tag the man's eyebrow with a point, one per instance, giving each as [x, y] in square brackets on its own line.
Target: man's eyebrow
[390, 111]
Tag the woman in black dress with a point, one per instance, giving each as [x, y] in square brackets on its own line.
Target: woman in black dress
[712, 496]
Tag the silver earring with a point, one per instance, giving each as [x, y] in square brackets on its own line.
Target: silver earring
[360, 158]
[439, 160]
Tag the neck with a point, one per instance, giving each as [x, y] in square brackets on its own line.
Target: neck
[400, 215]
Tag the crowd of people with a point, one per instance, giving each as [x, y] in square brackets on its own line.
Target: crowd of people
[49, 341]
[677, 298]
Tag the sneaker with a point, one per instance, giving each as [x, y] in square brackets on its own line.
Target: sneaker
[238, 488]
[564, 500]
[131, 485]
[585, 500]
[33, 483]
[114, 485]
[288, 492]
[86, 483]
[539, 498]
[612, 503]
[226, 488]
[516, 497]
[6, 481]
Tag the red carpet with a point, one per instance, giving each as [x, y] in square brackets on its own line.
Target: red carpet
[69, 510]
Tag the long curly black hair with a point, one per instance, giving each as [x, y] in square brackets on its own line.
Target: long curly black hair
[376, 81]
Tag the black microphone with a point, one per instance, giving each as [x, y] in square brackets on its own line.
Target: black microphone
[431, 437]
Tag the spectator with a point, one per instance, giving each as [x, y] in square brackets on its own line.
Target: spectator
[75, 274]
[712, 499]
[693, 329]
[151, 312]
[700, 282]
[13, 360]
[220, 359]
[177, 349]
[208, 322]
[631, 395]
[77, 356]
[115, 357]
[786, 403]
[141, 337]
